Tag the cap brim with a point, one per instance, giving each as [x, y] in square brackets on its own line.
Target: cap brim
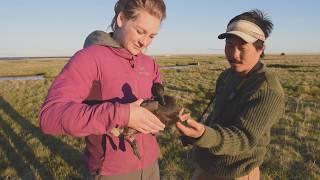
[247, 38]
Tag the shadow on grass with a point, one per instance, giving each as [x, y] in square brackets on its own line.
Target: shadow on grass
[198, 105]
[21, 153]
[21, 168]
[70, 155]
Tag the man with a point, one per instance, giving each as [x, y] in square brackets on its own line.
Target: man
[249, 100]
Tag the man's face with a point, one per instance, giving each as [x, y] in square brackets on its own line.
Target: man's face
[242, 56]
[136, 34]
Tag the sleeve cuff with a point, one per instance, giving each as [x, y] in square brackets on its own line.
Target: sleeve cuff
[209, 138]
[122, 115]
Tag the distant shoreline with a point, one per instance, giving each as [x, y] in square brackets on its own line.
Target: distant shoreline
[33, 58]
[156, 55]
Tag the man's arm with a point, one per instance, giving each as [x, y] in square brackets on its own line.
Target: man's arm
[257, 117]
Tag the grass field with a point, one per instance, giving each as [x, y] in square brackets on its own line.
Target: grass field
[26, 153]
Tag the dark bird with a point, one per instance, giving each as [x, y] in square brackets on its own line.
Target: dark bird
[163, 106]
[157, 91]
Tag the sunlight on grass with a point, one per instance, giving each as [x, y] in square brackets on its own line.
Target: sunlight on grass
[26, 153]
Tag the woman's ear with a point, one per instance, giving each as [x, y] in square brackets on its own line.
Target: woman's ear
[120, 19]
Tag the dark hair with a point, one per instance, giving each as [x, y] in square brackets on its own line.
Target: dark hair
[260, 19]
[130, 8]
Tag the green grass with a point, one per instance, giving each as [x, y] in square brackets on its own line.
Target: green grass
[26, 153]
[46, 67]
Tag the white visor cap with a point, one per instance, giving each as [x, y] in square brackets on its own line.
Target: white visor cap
[246, 30]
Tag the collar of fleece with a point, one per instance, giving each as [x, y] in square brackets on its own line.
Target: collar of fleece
[100, 38]
[104, 39]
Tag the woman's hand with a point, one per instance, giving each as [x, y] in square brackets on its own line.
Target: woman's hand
[143, 120]
[192, 129]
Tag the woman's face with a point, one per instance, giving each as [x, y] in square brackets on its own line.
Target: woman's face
[136, 34]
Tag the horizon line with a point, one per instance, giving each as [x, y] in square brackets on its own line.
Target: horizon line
[168, 54]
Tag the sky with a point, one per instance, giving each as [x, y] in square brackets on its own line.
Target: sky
[59, 27]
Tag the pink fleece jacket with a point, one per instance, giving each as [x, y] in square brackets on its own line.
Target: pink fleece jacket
[115, 76]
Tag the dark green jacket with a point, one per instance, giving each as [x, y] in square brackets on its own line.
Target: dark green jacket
[237, 131]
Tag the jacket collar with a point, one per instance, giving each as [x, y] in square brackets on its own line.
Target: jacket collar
[256, 69]
[103, 38]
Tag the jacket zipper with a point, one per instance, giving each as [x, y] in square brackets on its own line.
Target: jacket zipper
[131, 61]
[140, 137]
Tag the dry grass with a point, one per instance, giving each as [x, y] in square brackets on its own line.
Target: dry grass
[26, 153]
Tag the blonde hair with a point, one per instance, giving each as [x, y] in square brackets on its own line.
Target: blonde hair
[130, 9]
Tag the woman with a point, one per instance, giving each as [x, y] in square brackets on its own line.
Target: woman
[111, 69]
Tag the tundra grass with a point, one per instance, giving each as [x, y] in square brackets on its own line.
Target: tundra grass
[26, 153]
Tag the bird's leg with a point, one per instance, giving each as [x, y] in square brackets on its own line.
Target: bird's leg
[129, 137]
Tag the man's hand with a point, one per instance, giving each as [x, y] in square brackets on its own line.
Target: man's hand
[143, 120]
[193, 128]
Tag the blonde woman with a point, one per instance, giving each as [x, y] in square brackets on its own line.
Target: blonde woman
[111, 69]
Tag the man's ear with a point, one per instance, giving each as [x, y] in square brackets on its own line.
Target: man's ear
[120, 19]
[263, 48]
[261, 51]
